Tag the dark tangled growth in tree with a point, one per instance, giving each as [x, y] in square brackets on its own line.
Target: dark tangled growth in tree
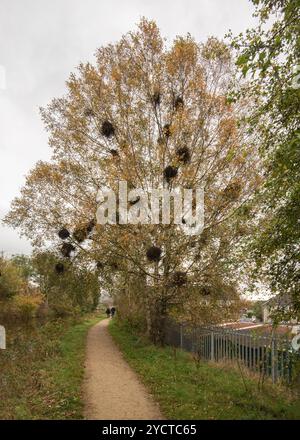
[99, 265]
[183, 154]
[59, 268]
[80, 235]
[167, 130]
[90, 226]
[114, 152]
[64, 233]
[179, 279]
[178, 103]
[67, 249]
[156, 98]
[232, 191]
[107, 129]
[170, 172]
[154, 253]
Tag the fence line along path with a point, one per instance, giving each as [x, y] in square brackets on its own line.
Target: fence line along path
[270, 355]
[111, 390]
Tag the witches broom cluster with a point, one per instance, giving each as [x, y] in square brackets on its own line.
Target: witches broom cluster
[154, 253]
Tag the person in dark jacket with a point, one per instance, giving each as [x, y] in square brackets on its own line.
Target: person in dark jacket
[108, 312]
[112, 312]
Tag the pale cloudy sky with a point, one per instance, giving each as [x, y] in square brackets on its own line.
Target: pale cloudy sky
[42, 41]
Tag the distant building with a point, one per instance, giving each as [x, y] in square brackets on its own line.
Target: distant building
[276, 303]
[261, 329]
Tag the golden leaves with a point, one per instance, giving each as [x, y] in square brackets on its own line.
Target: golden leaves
[115, 74]
[227, 129]
[45, 172]
[150, 35]
[182, 57]
[215, 49]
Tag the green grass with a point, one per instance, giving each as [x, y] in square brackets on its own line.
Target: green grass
[42, 370]
[207, 391]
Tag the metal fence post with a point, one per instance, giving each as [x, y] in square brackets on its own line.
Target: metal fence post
[181, 336]
[273, 360]
[212, 348]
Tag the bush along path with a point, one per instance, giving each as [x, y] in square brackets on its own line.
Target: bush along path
[55, 352]
[111, 389]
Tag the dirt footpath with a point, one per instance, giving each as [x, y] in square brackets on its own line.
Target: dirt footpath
[111, 389]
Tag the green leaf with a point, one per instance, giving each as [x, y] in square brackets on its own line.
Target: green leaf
[242, 59]
[245, 70]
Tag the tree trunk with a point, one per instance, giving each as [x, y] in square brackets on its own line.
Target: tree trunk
[148, 318]
[158, 322]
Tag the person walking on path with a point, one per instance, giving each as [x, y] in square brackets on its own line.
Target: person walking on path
[108, 312]
[112, 311]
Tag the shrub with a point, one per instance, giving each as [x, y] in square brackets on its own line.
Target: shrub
[26, 306]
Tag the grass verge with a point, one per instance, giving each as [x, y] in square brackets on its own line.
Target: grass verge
[189, 390]
[41, 371]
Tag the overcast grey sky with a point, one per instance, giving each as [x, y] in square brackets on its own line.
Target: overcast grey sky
[42, 41]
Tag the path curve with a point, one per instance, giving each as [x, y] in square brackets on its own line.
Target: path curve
[112, 391]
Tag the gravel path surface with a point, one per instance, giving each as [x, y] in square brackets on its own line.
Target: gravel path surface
[112, 391]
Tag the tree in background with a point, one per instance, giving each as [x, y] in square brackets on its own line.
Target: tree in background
[11, 280]
[24, 263]
[258, 310]
[19, 299]
[270, 57]
[30, 285]
[74, 291]
[155, 117]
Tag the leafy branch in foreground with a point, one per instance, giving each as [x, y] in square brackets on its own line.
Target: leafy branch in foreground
[269, 56]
